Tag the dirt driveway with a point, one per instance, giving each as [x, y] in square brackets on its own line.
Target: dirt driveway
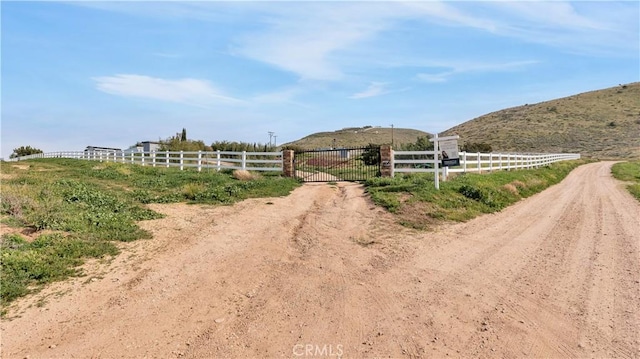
[324, 273]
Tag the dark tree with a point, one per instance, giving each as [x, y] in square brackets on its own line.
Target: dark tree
[371, 155]
[184, 135]
[24, 151]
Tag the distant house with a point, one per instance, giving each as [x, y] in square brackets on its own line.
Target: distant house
[148, 146]
[134, 149]
[102, 149]
[145, 146]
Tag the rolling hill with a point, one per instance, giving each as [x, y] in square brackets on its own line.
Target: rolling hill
[357, 137]
[599, 124]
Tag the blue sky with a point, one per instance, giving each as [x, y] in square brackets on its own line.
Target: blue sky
[114, 73]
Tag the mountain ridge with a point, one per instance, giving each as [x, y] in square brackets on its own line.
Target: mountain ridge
[601, 124]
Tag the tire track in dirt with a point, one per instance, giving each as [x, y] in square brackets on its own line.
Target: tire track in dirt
[322, 269]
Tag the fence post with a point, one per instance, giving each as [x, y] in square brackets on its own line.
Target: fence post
[142, 158]
[393, 163]
[244, 160]
[479, 163]
[386, 161]
[167, 158]
[153, 158]
[199, 160]
[436, 177]
[218, 160]
[181, 160]
[287, 163]
[464, 158]
[490, 161]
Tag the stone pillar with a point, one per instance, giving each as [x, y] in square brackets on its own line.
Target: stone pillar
[386, 161]
[287, 163]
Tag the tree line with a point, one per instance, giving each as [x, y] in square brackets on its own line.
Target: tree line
[180, 142]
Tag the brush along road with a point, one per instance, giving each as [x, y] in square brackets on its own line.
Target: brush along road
[324, 273]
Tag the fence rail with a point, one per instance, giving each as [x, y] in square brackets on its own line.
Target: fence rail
[402, 161]
[218, 160]
[425, 161]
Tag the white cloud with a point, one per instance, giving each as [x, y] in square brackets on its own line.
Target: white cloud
[374, 89]
[318, 40]
[439, 77]
[307, 38]
[187, 91]
[447, 14]
[556, 14]
[578, 27]
[460, 68]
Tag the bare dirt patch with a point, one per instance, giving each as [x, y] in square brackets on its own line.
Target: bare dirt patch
[556, 275]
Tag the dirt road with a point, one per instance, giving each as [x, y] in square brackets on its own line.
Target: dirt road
[324, 273]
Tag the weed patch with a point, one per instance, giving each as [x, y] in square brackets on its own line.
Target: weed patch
[50, 257]
[628, 172]
[416, 202]
[83, 206]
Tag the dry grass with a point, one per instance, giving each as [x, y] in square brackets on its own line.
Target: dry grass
[191, 190]
[244, 175]
[359, 137]
[600, 124]
[511, 188]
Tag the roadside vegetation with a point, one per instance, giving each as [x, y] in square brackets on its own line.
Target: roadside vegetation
[629, 172]
[418, 204]
[62, 211]
[24, 151]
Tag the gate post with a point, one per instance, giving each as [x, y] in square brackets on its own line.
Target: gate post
[287, 163]
[386, 161]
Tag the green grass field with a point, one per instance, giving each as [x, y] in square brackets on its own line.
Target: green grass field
[629, 172]
[418, 204]
[79, 209]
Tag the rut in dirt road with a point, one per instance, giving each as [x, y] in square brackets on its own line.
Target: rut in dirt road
[323, 272]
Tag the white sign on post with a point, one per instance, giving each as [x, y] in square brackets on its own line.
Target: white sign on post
[448, 152]
[439, 152]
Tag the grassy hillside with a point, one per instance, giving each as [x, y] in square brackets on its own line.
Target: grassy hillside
[358, 136]
[599, 124]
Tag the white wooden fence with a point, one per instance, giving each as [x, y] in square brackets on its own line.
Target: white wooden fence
[403, 161]
[426, 161]
[218, 160]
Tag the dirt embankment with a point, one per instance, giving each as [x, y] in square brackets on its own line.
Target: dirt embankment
[324, 273]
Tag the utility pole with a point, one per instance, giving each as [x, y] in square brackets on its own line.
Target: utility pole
[270, 137]
[275, 143]
[392, 135]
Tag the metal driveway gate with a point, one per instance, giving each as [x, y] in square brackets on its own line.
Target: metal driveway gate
[342, 164]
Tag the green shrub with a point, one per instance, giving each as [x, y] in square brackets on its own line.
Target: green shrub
[50, 257]
[629, 172]
[462, 197]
